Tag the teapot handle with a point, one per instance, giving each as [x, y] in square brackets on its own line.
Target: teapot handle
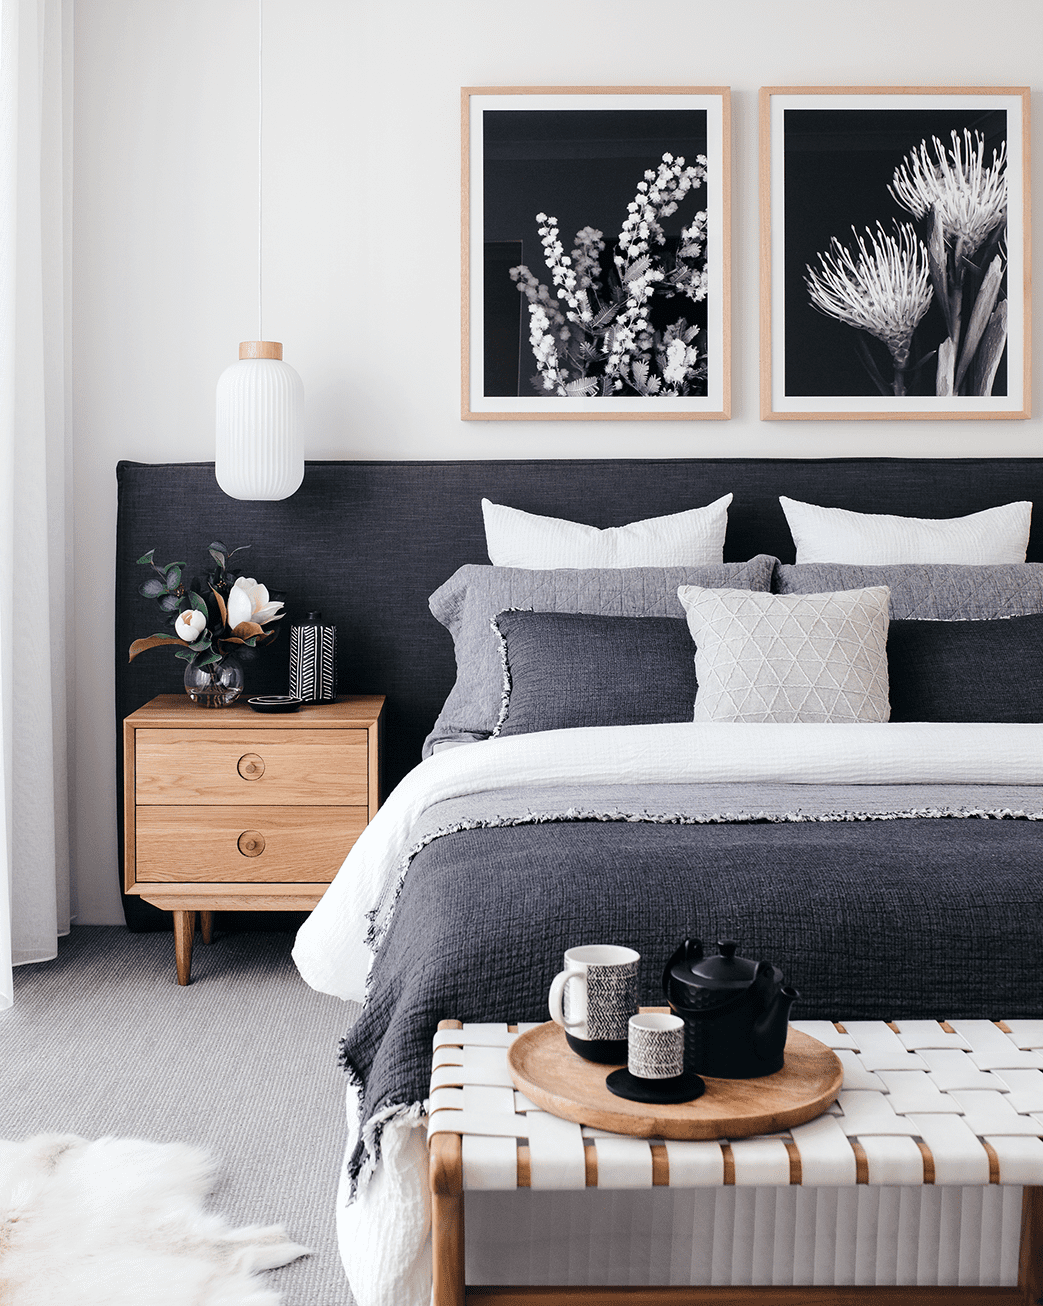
[678, 957]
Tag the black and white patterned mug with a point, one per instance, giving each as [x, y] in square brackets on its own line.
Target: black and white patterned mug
[594, 997]
[655, 1045]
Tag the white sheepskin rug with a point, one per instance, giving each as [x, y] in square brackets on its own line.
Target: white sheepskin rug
[120, 1222]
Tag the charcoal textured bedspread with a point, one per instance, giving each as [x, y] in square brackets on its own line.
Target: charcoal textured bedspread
[931, 916]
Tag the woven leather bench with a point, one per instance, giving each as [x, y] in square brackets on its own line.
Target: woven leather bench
[923, 1102]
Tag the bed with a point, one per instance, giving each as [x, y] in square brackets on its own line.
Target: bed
[890, 869]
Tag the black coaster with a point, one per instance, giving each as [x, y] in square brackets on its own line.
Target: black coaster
[274, 703]
[682, 1088]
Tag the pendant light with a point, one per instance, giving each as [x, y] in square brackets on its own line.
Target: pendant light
[260, 399]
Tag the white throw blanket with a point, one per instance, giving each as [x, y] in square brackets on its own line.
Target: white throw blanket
[331, 952]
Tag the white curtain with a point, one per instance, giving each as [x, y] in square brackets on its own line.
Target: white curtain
[34, 870]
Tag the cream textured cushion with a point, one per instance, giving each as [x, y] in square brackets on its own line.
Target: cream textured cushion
[789, 657]
[837, 535]
[683, 539]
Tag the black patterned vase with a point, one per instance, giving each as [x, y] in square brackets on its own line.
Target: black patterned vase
[313, 660]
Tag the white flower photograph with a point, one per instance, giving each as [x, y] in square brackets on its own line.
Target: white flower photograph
[894, 239]
[595, 254]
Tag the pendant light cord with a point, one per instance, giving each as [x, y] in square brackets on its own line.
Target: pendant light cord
[260, 165]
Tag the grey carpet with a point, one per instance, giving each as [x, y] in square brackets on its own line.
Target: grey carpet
[241, 1062]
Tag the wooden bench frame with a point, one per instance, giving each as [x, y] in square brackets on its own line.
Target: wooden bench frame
[450, 1289]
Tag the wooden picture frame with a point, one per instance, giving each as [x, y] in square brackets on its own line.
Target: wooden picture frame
[559, 320]
[895, 253]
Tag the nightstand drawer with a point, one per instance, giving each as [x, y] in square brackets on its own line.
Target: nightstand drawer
[245, 844]
[266, 767]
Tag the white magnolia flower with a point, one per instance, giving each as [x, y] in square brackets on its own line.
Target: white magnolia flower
[189, 625]
[248, 601]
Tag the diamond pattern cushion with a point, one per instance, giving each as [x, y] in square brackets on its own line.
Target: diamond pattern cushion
[771, 657]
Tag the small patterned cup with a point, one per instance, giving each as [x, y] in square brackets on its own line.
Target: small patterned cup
[655, 1045]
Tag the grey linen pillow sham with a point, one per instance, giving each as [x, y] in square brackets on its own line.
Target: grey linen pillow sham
[472, 596]
[569, 669]
[927, 591]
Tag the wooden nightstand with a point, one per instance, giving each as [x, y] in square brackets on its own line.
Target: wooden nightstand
[235, 810]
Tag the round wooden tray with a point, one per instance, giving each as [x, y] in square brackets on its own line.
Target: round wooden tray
[549, 1073]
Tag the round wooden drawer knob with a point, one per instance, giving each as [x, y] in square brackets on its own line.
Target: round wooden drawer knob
[251, 767]
[251, 843]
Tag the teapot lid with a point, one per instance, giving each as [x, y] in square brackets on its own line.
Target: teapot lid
[724, 970]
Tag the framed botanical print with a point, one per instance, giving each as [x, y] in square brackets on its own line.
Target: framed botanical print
[595, 253]
[894, 252]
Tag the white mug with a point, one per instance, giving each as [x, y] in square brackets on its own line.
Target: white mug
[596, 994]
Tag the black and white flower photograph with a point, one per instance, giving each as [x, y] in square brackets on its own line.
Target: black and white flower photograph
[594, 278]
[897, 275]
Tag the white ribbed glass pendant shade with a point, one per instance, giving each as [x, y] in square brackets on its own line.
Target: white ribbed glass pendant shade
[260, 425]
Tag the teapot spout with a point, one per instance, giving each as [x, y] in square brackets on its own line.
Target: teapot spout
[769, 1031]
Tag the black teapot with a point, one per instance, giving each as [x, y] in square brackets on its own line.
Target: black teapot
[735, 1011]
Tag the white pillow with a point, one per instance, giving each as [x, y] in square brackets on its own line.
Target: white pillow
[837, 535]
[789, 657]
[683, 539]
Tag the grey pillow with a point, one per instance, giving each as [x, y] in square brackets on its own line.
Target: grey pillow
[469, 599]
[928, 591]
[966, 670]
[569, 669]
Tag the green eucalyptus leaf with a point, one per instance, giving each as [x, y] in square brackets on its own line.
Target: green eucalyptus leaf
[217, 556]
[152, 589]
[209, 660]
[170, 603]
[198, 603]
[146, 558]
[174, 576]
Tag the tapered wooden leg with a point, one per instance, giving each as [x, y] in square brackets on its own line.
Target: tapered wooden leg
[447, 1220]
[184, 929]
[206, 924]
[1030, 1269]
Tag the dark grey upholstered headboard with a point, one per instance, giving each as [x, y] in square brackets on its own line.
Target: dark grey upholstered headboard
[367, 542]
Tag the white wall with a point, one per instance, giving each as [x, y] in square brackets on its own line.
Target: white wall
[362, 237]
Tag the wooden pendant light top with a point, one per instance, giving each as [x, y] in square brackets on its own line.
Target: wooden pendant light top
[260, 349]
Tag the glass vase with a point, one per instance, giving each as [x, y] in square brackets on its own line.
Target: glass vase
[216, 685]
